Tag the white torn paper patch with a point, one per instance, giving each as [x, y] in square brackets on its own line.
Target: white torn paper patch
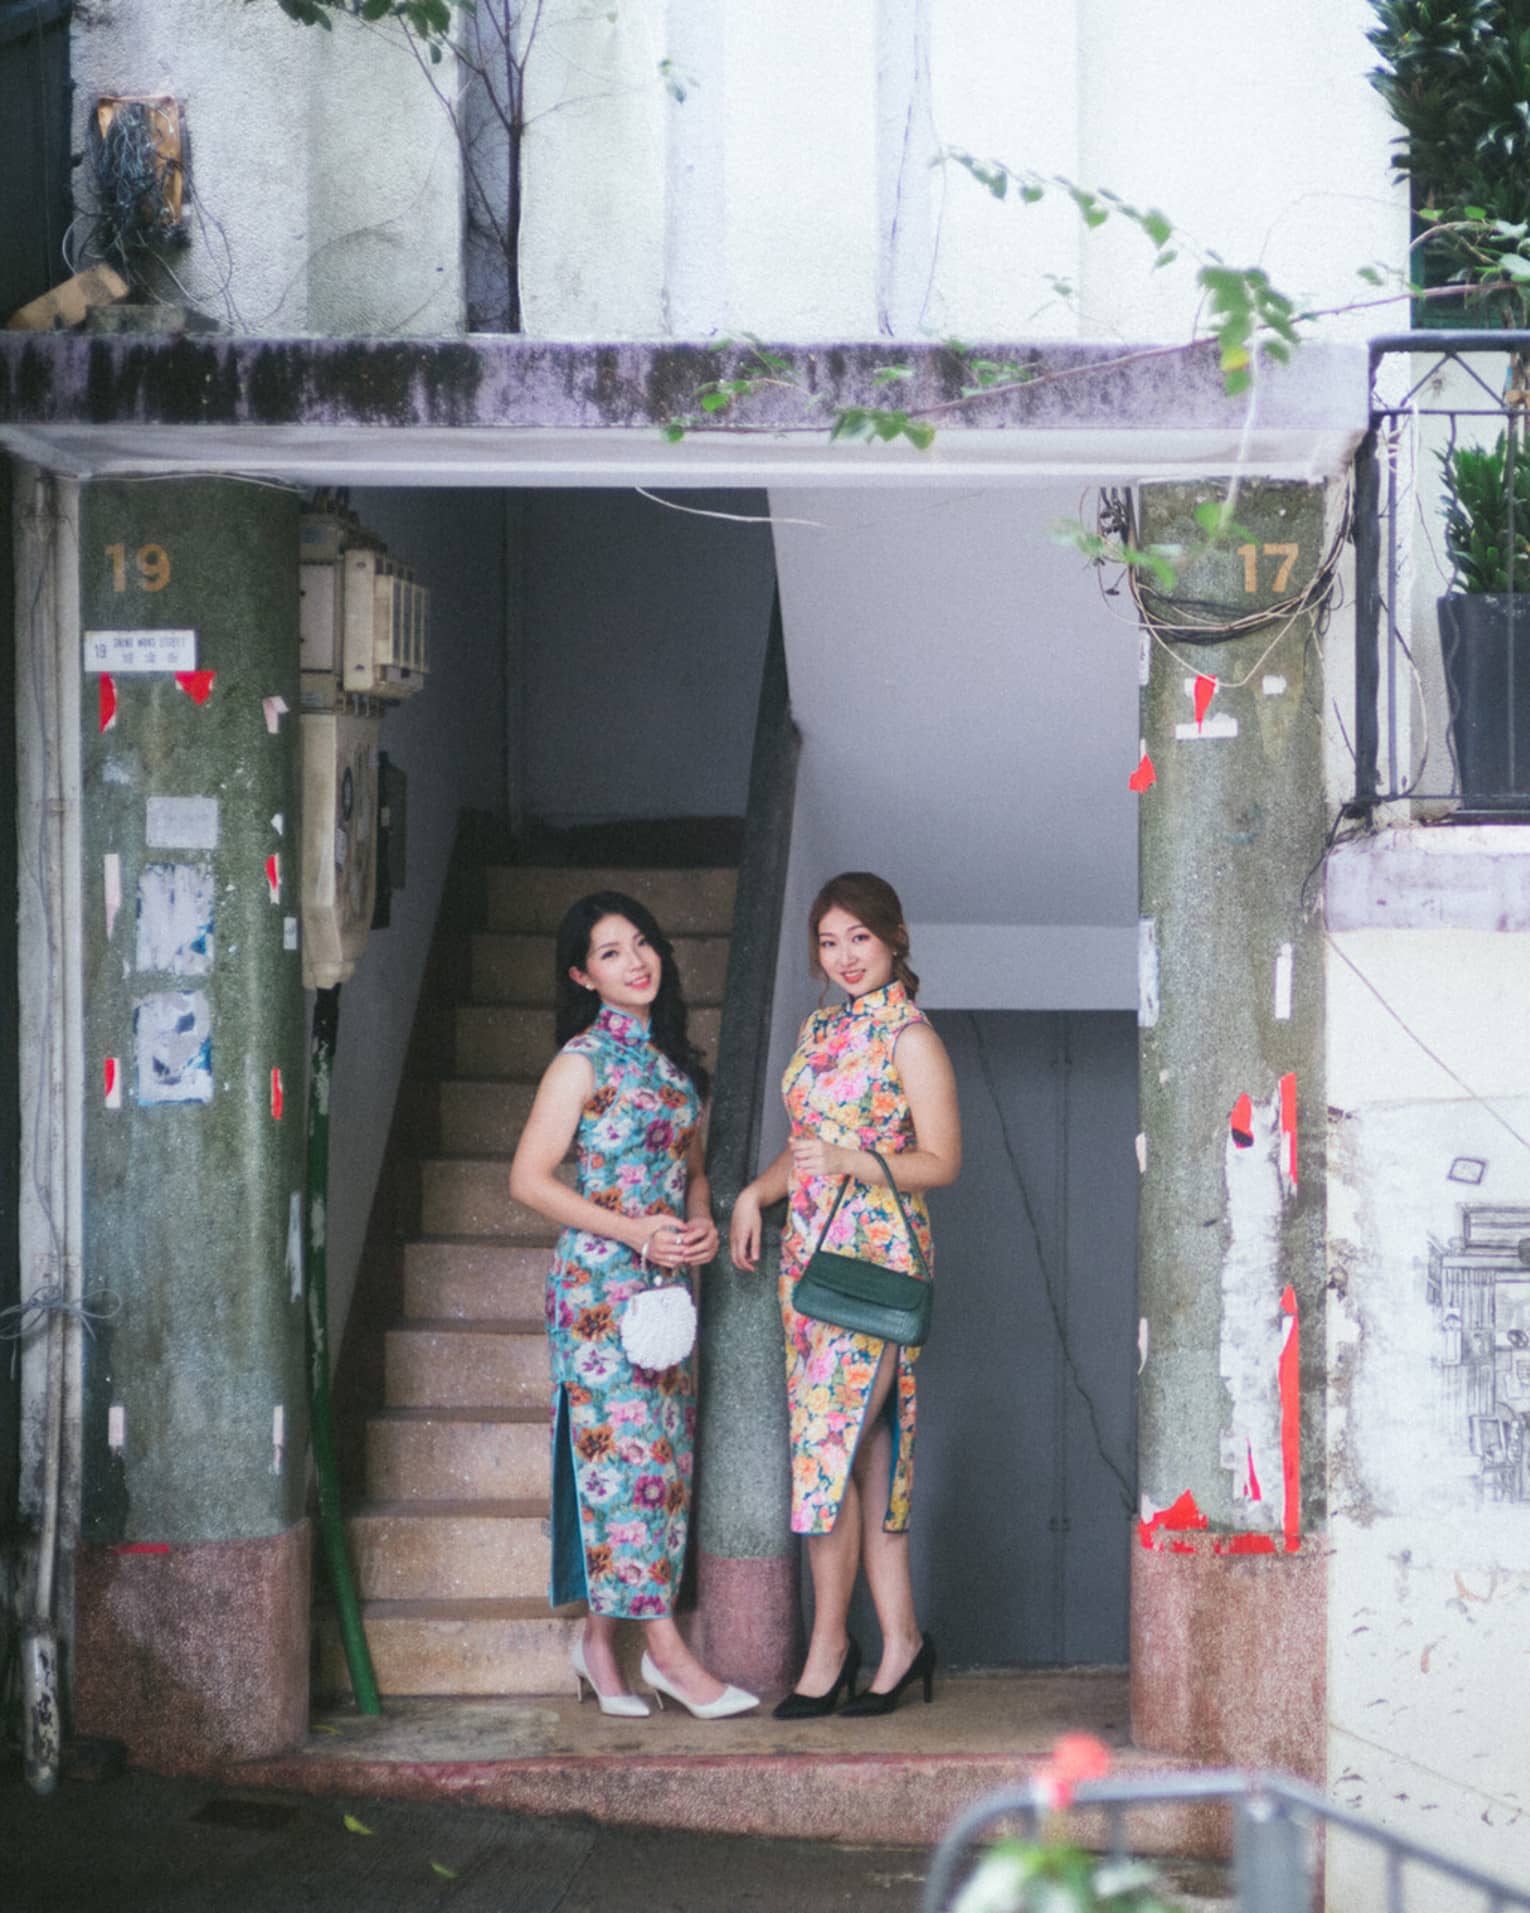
[1273, 686]
[295, 1244]
[1141, 1153]
[116, 1428]
[111, 877]
[1219, 725]
[1144, 655]
[1147, 973]
[278, 1437]
[1283, 967]
[275, 709]
[289, 933]
[279, 823]
[1142, 1343]
[181, 823]
[175, 918]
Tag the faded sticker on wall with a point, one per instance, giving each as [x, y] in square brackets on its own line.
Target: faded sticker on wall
[181, 823]
[175, 919]
[172, 1048]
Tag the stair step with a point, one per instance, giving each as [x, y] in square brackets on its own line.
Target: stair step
[517, 967]
[446, 1280]
[502, 1646]
[470, 1196]
[499, 1039]
[436, 1364]
[685, 902]
[483, 1119]
[450, 1550]
[458, 1454]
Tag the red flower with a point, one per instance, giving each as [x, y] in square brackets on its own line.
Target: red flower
[1075, 1757]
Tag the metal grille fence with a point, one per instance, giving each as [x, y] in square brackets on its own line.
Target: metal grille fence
[1275, 1824]
[1431, 396]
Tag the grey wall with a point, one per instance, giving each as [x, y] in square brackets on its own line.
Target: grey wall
[449, 741]
[1021, 1522]
[645, 636]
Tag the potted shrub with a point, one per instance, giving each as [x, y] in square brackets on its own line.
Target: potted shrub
[1485, 619]
[1456, 78]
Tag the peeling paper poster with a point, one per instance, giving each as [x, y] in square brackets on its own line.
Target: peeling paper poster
[175, 918]
[172, 1048]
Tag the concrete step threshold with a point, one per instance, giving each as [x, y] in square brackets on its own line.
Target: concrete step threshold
[898, 1781]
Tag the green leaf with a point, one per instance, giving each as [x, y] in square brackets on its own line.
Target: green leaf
[1370, 275]
[353, 1825]
[446, 1873]
[715, 401]
[1157, 228]
[891, 374]
[919, 434]
[1472, 212]
[1031, 194]
[376, 9]
[674, 432]
[1514, 267]
[1236, 381]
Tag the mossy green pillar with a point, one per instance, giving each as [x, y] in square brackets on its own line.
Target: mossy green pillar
[192, 1585]
[1227, 1584]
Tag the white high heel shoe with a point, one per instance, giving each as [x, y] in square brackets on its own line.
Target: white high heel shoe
[627, 1706]
[732, 1700]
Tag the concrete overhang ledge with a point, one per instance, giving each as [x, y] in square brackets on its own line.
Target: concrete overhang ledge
[1431, 877]
[493, 410]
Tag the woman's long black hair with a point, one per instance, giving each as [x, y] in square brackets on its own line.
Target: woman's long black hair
[577, 1007]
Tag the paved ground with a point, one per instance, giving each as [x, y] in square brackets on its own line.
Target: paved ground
[142, 1844]
[139, 1842]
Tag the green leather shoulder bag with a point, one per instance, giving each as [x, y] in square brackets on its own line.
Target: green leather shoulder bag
[865, 1297]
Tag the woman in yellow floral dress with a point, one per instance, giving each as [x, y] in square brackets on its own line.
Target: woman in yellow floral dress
[867, 1075]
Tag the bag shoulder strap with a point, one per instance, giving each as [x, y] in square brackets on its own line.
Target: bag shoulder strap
[908, 1223]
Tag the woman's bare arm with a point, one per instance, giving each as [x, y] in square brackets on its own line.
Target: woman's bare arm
[560, 1100]
[929, 1082]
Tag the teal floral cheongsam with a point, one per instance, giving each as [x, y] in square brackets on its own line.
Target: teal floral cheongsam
[623, 1438]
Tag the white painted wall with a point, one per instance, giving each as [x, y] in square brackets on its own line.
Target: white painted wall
[1429, 1590]
[968, 711]
[448, 740]
[645, 632]
[325, 176]
[792, 193]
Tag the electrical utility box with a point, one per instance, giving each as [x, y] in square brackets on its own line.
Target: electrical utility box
[364, 621]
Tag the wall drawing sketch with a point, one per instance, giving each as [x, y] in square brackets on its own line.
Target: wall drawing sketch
[1479, 1292]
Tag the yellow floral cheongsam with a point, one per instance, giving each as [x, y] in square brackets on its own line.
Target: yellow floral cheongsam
[842, 1086]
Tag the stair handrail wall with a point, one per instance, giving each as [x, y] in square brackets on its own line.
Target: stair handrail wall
[740, 1324]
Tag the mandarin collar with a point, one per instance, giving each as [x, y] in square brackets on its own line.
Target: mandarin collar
[622, 1025]
[874, 1002]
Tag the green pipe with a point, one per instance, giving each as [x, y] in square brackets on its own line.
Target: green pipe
[358, 1657]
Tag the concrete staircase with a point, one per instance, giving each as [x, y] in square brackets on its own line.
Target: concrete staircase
[450, 1546]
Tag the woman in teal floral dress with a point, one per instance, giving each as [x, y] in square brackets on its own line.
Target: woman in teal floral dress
[628, 1086]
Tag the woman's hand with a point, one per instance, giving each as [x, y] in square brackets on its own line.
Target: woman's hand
[745, 1229]
[665, 1242]
[812, 1157]
[700, 1238]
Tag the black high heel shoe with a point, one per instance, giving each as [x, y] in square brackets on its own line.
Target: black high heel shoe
[921, 1667]
[811, 1706]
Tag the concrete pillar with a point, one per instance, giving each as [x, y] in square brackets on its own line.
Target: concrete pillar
[1228, 1614]
[192, 1581]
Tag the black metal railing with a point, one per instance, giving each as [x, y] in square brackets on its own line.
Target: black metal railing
[1404, 500]
[1275, 1826]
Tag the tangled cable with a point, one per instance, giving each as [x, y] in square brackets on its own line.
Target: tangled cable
[1208, 622]
[21, 1319]
[133, 178]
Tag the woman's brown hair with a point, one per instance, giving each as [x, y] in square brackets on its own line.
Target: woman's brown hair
[872, 901]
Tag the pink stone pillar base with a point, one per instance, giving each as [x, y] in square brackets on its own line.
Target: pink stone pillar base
[195, 1655]
[1229, 1657]
[751, 1619]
